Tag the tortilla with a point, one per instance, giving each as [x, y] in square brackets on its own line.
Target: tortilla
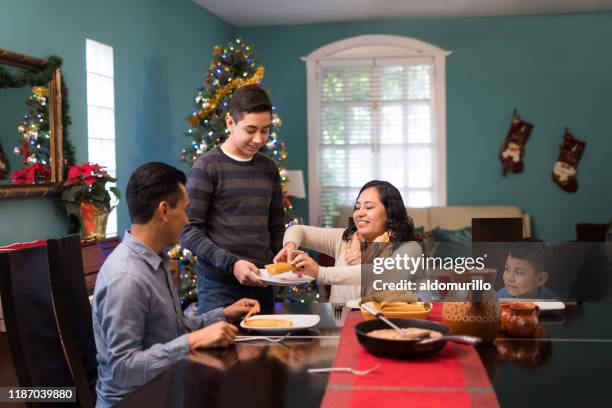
[410, 333]
[268, 323]
[280, 267]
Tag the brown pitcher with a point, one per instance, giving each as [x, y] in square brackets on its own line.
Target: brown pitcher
[472, 312]
[522, 319]
[505, 313]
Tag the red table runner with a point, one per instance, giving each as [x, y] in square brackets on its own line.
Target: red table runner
[22, 245]
[453, 377]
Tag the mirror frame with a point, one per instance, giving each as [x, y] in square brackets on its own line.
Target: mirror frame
[56, 159]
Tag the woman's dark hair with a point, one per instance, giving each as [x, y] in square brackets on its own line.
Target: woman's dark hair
[249, 99]
[150, 184]
[399, 224]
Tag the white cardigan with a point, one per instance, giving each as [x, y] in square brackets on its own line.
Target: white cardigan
[345, 279]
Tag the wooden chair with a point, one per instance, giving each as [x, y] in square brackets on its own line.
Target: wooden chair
[489, 236]
[586, 232]
[31, 327]
[74, 314]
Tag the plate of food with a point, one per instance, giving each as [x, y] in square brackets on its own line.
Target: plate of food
[377, 338]
[280, 323]
[354, 304]
[400, 310]
[282, 274]
[544, 305]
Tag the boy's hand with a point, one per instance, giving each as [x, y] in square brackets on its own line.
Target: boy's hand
[247, 273]
[240, 308]
[220, 334]
[286, 254]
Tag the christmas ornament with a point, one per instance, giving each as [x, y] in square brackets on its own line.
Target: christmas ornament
[513, 149]
[566, 166]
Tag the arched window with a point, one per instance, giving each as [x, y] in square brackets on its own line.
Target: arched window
[376, 110]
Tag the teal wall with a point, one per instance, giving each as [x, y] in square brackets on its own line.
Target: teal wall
[162, 49]
[556, 70]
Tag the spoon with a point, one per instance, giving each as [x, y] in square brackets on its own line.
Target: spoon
[378, 314]
[467, 340]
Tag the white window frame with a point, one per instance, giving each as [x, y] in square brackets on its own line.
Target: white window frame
[370, 47]
[94, 69]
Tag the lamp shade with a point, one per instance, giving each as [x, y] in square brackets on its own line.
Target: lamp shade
[295, 184]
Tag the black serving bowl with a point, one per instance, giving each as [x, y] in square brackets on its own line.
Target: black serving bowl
[399, 348]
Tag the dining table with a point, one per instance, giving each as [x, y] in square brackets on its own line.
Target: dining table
[566, 363]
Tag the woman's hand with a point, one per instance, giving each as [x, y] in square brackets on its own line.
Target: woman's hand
[306, 265]
[286, 254]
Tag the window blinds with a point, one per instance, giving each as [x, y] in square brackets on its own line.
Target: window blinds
[376, 123]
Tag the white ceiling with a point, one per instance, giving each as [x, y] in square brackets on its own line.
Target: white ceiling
[282, 12]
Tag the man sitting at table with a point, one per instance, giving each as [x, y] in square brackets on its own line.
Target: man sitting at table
[138, 324]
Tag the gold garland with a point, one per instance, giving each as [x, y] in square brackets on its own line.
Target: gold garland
[210, 105]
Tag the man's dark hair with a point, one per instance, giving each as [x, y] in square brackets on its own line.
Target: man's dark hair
[249, 99]
[534, 251]
[149, 185]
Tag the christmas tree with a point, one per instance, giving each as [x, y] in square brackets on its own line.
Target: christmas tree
[34, 146]
[233, 66]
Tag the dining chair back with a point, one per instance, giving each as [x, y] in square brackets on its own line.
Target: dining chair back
[493, 237]
[74, 313]
[29, 315]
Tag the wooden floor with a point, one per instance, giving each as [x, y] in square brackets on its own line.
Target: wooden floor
[8, 378]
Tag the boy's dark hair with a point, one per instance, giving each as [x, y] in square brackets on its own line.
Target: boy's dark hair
[249, 99]
[150, 184]
[535, 251]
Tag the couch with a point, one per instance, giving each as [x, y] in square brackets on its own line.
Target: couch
[451, 217]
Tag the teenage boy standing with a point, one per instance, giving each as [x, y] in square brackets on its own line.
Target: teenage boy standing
[236, 216]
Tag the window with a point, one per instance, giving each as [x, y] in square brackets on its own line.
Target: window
[376, 111]
[101, 113]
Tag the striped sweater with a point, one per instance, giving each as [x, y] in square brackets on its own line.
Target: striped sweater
[235, 212]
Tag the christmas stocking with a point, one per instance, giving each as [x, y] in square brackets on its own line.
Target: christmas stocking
[564, 172]
[513, 149]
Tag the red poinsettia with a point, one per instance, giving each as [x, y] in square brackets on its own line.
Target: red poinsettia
[86, 173]
[36, 173]
[87, 184]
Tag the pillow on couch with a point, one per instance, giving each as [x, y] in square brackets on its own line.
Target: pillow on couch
[460, 236]
[452, 243]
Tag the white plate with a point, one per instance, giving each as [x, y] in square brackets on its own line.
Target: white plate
[353, 303]
[284, 279]
[544, 305]
[300, 322]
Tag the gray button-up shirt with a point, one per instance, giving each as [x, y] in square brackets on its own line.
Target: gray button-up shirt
[138, 324]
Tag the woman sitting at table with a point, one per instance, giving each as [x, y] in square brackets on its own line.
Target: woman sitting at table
[379, 216]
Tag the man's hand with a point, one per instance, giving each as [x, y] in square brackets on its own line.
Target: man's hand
[220, 334]
[247, 273]
[240, 309]
[286, 254]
